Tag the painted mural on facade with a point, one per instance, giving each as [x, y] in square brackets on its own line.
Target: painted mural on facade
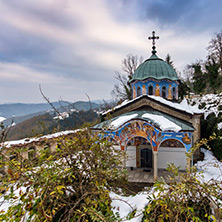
[140, 128]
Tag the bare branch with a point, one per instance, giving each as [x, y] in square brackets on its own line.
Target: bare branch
[91, 108]
[51, 104]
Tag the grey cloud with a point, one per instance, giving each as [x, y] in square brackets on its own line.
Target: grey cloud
[168, 11]
[54, 14]
[16, 46]
[189, 15]
[183, 15]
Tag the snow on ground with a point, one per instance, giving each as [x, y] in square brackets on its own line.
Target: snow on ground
[29, 140]
[211, 167]
[62, 116]
[125, 205]
[2, 119]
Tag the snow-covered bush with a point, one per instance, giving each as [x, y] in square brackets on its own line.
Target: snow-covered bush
[185, 199]
[211, 122]
[70, 185]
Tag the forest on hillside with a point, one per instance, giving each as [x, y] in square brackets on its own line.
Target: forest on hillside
[50, 123]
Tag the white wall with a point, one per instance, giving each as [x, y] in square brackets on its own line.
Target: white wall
[171, 155]
[131, 156]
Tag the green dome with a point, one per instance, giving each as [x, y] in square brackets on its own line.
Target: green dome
[156, 68]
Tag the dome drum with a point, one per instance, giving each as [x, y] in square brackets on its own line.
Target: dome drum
[155, 77]
[165, 88]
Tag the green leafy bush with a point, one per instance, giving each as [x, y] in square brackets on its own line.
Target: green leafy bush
[70, 185]
[210, 126]
[185, 199]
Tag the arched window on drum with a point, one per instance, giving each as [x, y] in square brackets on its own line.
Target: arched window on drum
[164, 92]
[150, 90]
[174, 93]
[139, 92]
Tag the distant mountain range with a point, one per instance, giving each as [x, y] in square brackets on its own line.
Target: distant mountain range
[22, 109]
[32, 119]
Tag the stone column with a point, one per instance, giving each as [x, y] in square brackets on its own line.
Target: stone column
[155, 166]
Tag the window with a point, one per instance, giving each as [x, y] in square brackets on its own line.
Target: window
[139, 91]
[164, 92]
[174, 93]
[31, 153]
[150, 90]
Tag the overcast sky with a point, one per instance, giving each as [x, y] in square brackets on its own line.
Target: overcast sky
[73, 47]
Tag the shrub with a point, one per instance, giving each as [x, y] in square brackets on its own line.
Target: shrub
[202, 105]
[185, 199]
[210, 126]
[69, 185]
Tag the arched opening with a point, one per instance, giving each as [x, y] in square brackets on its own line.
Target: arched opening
[174, 93]
[139, 93]
[172, 143]
[150, 90]
[139, 153]
[164, 92]
[172, 151]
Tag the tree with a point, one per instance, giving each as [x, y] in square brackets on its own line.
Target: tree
[215, 48]
[123, 90]
[212, 73]
[206, 76]
[199, 78]
[184, 89]
[169, 61]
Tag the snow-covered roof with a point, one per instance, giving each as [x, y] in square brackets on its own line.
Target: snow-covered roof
[122, 119]
[163, 121]
[183, 106]
[36, 139]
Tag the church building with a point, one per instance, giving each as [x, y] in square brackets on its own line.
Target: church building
[153, 128]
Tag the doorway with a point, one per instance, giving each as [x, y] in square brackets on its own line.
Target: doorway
[146, 158]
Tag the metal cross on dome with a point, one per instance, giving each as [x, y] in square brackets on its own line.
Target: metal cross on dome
[153, 38]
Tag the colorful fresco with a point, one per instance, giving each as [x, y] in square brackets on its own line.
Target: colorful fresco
[170, 92]
[157, 90]
[157, 86]
[144, 90]
[172, 143]
[134, 92]
[140, 128]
